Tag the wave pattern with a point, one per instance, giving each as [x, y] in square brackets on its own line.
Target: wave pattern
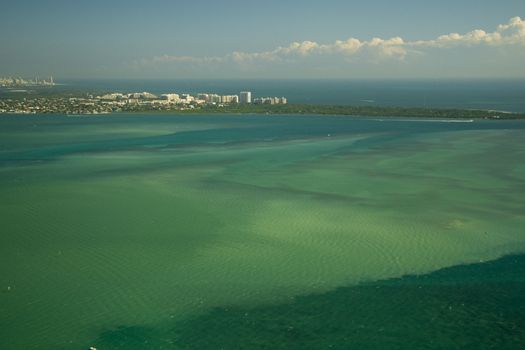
[166, 225]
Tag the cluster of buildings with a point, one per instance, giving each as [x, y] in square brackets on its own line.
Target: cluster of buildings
[271, 101]
[60, 105]
[19, 82]
[214, 98]
[135, 96]
[146, 98]
[246, 97]
[128, 102]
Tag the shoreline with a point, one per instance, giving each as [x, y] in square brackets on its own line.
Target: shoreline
[459, 115]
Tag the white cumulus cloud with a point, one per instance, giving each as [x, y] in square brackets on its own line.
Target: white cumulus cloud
[512, 33]
[509, 34]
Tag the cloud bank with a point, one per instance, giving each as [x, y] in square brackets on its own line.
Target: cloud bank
[352, 49]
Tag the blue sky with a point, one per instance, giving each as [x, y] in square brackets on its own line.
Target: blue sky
[247, 39]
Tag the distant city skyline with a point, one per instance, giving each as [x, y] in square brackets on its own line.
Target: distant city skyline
[270, 39]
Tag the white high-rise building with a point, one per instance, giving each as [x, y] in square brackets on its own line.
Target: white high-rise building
[230, 99]
[245, 97]
[170, 97]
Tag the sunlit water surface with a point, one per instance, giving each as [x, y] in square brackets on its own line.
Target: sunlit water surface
[142, 231]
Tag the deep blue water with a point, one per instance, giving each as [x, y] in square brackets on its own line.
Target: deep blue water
[504, 95]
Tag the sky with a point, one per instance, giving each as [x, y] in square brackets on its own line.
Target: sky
[263, 39]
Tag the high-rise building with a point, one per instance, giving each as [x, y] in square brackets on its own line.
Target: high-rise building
[214, 98]
[204, 97]
[230, 99]
[245, 97]
[170, 97]
[270, 100]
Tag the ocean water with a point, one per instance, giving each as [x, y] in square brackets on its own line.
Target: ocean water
[487, 94]
[176, 232]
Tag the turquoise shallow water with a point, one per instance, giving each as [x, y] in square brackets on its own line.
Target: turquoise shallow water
[125, 229]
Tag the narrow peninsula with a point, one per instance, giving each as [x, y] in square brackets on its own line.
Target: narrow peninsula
[89, 103]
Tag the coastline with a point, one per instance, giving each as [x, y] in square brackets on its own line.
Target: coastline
[315, 110]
